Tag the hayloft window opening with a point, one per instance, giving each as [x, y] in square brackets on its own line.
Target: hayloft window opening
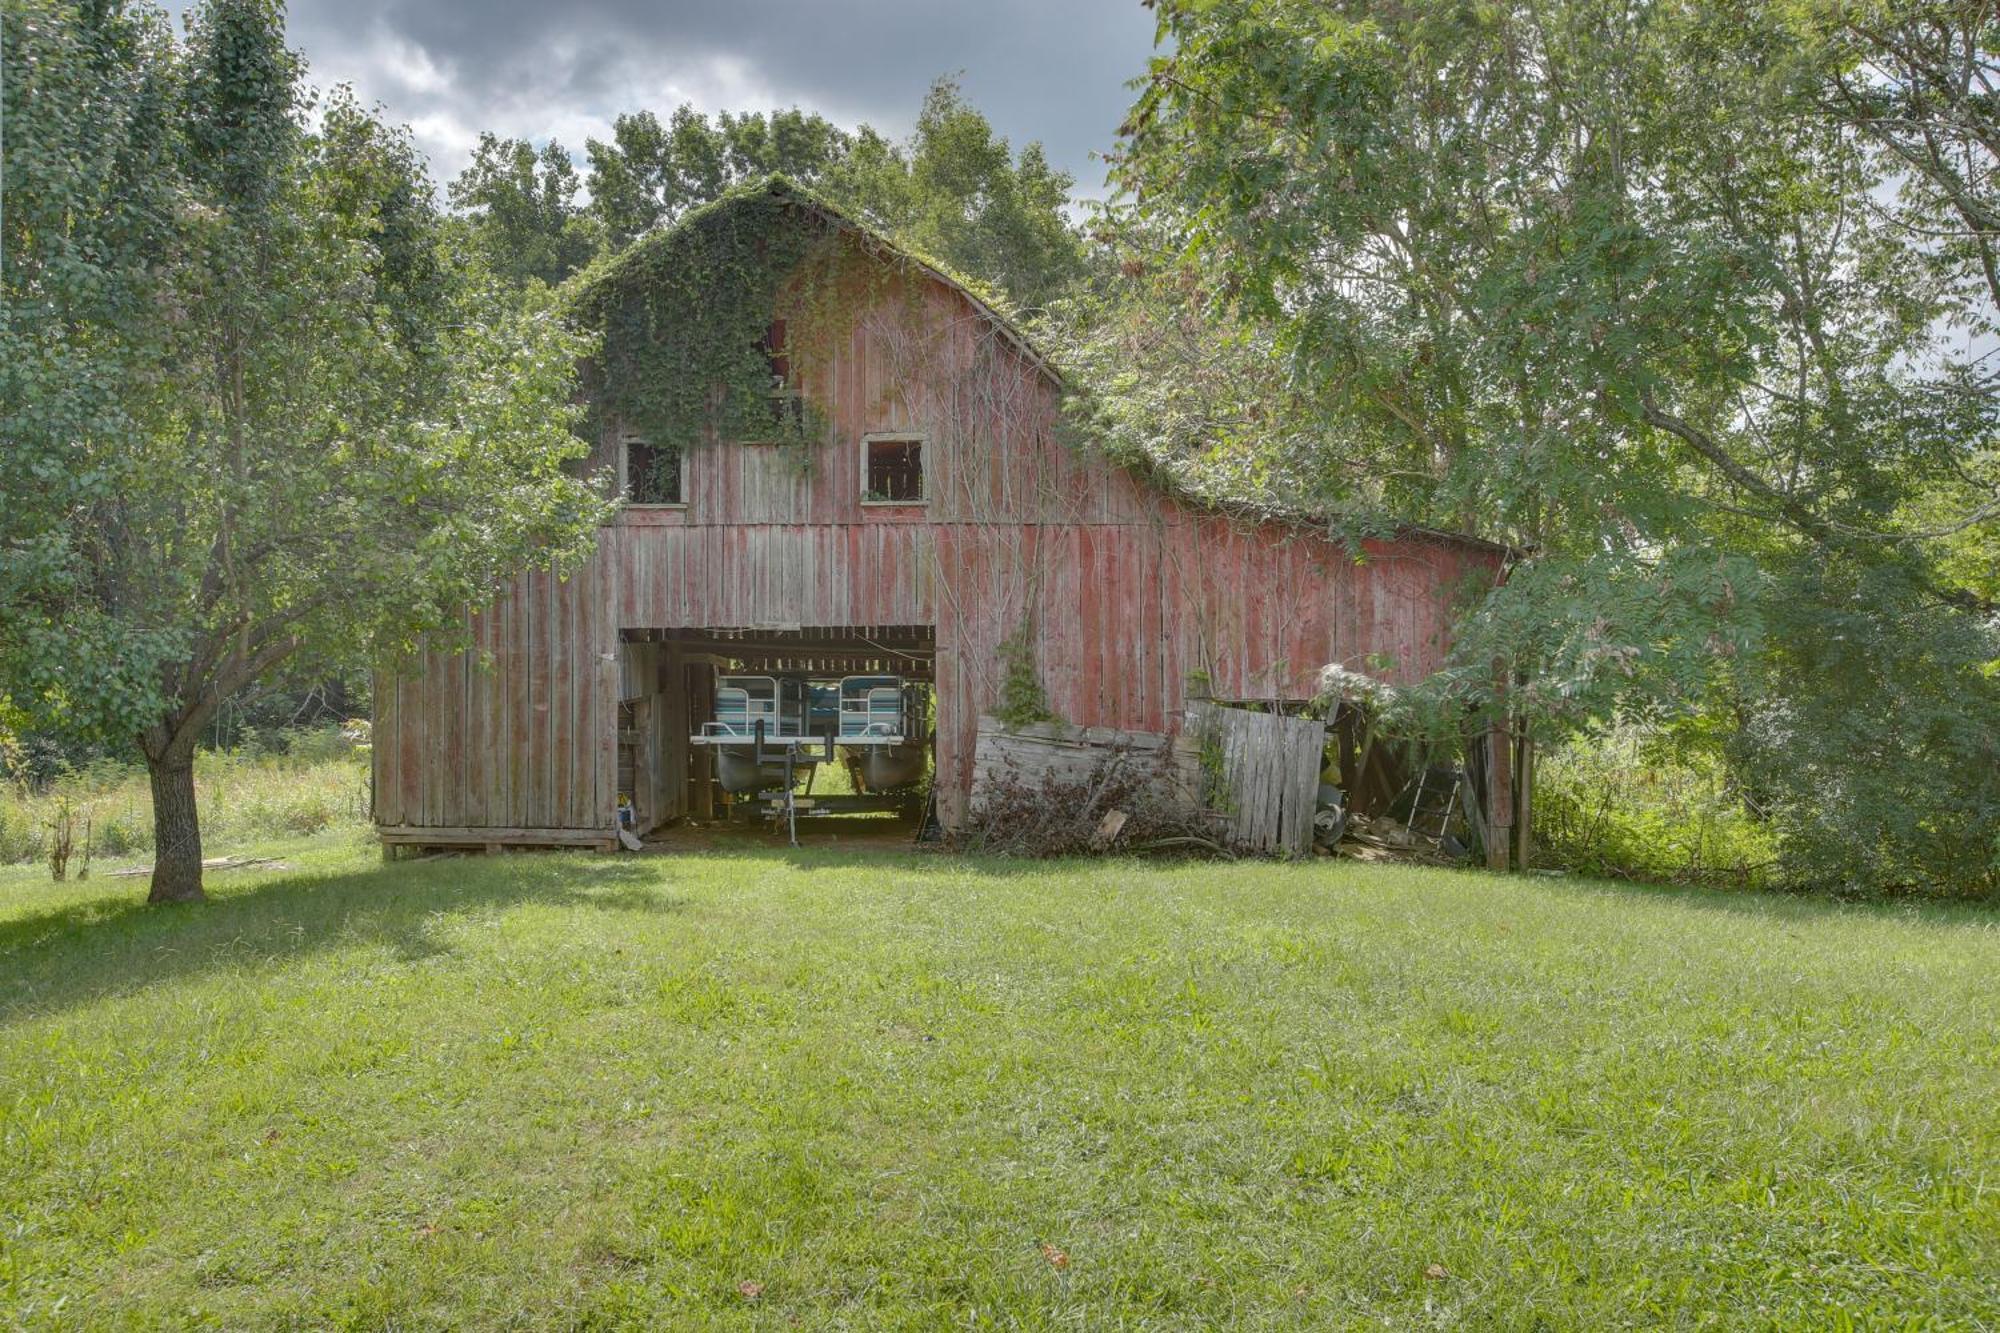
[787, 407]
[893, 469]
[652, 474]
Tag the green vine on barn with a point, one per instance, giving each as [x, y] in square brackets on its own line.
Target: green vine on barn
[686, 316]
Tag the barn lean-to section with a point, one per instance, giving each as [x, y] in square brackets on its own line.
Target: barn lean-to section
[1125, 597]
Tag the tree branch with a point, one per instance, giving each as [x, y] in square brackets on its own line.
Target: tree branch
[1825, 532]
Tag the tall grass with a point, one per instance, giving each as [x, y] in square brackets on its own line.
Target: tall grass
[1627, 805]
[299, 783]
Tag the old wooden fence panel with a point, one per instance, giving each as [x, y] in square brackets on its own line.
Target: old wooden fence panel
[1269, 775]
[1070, 755]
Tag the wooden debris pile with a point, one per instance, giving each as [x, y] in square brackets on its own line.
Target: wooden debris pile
[1385, 797]
[1382, 838]
[1050, 789]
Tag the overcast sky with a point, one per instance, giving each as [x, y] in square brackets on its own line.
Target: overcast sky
[1053, 70]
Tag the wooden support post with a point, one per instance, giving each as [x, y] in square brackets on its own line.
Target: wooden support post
[1499, 797]
[697, 684]
[1524, 826]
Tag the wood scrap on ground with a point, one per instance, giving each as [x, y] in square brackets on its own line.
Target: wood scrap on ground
[218, 863]
[1381, 838]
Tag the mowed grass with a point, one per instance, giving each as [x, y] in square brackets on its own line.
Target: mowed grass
[772, 1089]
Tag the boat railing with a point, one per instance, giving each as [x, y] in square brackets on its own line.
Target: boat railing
[870, 710]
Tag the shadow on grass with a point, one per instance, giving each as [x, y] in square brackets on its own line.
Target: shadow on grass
[1772, 905]
[858, 842]
[117, 945]
[757, 845]
[930, 859]
[1766, 905]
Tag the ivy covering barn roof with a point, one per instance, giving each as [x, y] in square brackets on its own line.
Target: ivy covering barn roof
[696, 296]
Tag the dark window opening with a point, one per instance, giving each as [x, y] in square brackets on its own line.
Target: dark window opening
[777, 356]
[787, 407]
[652, 476]
[896, 471]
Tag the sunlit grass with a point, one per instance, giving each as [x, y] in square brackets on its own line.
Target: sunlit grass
[244, 798]
[907, 1091]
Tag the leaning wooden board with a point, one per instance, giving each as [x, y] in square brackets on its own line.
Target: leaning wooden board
[1270, 772]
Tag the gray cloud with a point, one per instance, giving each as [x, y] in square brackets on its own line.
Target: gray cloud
[1053, 70]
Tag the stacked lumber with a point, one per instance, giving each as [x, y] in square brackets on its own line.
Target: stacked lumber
[215, 863]
[1042, 751]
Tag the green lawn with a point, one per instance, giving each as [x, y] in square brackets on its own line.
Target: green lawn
[777, 1089]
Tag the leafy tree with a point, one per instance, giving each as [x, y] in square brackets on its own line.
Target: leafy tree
[1678, 293]
[959, 192]
[954, 191]
[522, 207]
[652, 173]
[260, 415]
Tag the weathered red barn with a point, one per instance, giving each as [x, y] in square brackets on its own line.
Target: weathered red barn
[931, 523]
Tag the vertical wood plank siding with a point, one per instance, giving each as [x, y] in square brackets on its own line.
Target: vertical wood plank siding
[1127, 593]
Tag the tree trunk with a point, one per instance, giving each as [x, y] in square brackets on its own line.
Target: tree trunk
[1499, 796]
[1524, 802]
[176, 828]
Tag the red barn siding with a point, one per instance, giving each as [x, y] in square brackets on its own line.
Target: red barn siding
[1128, 592]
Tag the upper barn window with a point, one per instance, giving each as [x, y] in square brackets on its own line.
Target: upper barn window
[652, 475]
[892, 469]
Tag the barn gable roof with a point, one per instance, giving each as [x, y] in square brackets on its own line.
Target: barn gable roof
[600, 278]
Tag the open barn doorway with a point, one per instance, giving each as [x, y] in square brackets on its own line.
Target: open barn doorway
[812, 733]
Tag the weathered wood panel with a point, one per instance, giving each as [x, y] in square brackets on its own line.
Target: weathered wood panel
[1071, 756]
[520, 758]
[1270, 767]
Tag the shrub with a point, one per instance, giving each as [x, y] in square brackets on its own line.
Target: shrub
[327, 743]
[1630, 805]
[1872, 738]
[307, 812]
[20, 830]
[123, 830]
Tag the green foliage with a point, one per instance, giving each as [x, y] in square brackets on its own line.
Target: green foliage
[1870, 731]
[572, 1091]
[1675, 296]
[1646, 806]
[1023, 701]
[959, 192]
[685, 314]
[261, 414]
[521, 207]
[955, 190]
[1643, 635]
[1195, 399]
[90, 109]
[1216, 792]
[650, 174]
